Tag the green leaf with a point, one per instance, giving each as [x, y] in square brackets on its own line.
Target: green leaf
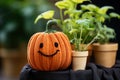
[83, 21]
[79, 1]
[63, 4]
[46, 15]
[88, 15]
[73, 31]
[101, 19]
[74, 13]
[90, 7]
[104, 9]
[113, 15]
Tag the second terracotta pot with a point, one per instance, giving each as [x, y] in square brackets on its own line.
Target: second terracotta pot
[105, 54]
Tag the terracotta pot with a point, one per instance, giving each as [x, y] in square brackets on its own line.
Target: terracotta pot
[90, 48]
[105, 55]
[79, 60]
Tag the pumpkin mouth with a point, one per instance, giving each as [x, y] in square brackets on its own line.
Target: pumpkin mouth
[51, 55]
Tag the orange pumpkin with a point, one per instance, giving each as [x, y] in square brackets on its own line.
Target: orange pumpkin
[49, 51]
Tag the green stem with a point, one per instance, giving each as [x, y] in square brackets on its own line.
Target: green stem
[76, 42]
[91, 41]
[61, 16]
[86, 37]
[80, 39]
[46, 28]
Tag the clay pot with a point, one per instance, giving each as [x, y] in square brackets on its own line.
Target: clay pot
[79, 60]
[89, 48]
[105, 54]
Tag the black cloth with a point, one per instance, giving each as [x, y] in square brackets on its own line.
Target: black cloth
[92, 72]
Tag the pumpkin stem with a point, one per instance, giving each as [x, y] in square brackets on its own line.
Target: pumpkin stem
[52, 26]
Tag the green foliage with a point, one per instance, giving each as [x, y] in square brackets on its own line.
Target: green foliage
[84, 25]
[100, 15]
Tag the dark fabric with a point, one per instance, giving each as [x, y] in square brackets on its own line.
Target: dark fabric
[28, 73]
[92, 72]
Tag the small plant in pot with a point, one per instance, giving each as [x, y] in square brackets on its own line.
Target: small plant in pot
[105, 52]
[105, 34]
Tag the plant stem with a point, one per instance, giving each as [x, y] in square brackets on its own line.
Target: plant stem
[86, 37]
[76, 42]
[91, 41]
[61, 16]
[80, 39]
[46, 28]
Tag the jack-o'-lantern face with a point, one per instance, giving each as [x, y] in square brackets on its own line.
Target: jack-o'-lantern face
[49, 51]
[41, 46]
[47, 45]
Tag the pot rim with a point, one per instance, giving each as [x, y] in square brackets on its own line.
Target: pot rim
[79, 53]
[105, 47]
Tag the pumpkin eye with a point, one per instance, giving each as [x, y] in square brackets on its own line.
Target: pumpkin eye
[41, 45]
[56, 44]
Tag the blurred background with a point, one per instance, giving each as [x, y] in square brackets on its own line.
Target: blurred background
[17, 25]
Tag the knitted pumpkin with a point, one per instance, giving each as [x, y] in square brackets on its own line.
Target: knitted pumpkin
[49, 51]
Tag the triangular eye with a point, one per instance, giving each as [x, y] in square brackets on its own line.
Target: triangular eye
[56, 44]
[41, 45]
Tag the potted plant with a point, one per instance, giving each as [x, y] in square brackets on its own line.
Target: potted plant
[104, 52]
[80, 30]
[84, 25]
